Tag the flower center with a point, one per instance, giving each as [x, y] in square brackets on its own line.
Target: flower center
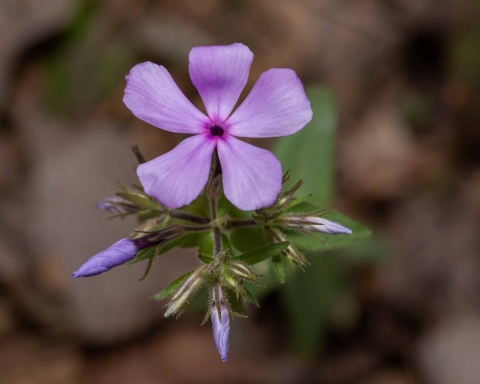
[216, 130]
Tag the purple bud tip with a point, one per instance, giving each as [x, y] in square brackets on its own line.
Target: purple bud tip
[117, 254]
[329, 227]
[220, 327]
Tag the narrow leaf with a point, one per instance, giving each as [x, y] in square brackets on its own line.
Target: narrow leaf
[279, 269]
[172, 287]
[260, 254]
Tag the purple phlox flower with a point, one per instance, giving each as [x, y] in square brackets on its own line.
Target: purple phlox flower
[220, 321]
[117, 254]
[276, 106]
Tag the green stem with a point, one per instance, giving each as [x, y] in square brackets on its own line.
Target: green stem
[196, 228]
[213, 201]
[189, 217]
[242, 223]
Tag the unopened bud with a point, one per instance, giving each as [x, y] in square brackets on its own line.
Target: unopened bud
[117, 254]
[327, 226]
[316, 224]
[243, 272]
[220, 321]
[159, 237]
[117, 206]
[291, 253]
[185, 292]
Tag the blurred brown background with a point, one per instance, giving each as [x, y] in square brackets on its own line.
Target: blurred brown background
[406, 75]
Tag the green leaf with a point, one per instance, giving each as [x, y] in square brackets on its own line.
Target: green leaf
[279, 268]
[258, 255]
[195, 239]
[205, 245]
[246, 239]
[308, 154]
[198, 207]
[307, 243]
[172, 287]
[309, 299]
[205, 259]
[250, 297]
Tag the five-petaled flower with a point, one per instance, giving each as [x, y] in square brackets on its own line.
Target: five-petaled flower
[276, 106]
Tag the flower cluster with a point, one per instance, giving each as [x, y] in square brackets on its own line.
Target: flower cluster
[213, 160]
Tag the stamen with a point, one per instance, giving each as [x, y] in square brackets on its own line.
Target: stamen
[216, 130]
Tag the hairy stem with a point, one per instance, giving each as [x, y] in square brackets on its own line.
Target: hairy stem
[217, 236]
[213, 201]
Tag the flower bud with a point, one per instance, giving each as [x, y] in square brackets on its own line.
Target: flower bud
[117, 206]
[185, 292]
[327, 226]
[117, 254]
[220, 321]
[159, 237]
[316, 224]
[241, 271]
[291, 253]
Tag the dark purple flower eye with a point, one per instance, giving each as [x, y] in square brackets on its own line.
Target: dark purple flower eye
[216, 130]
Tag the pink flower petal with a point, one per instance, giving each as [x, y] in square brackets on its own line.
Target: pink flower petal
[152, 95]
[220, 74]
[178, 177]
[252, 177]
[276, 106]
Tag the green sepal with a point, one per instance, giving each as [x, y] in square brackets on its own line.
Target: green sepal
[240, 271]
[140, 200]
[279, 269]
[172, 287]
[297, 201]
[153, 251]
[149, 266]
[234, 305]
[205, 259]
[260, 254]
